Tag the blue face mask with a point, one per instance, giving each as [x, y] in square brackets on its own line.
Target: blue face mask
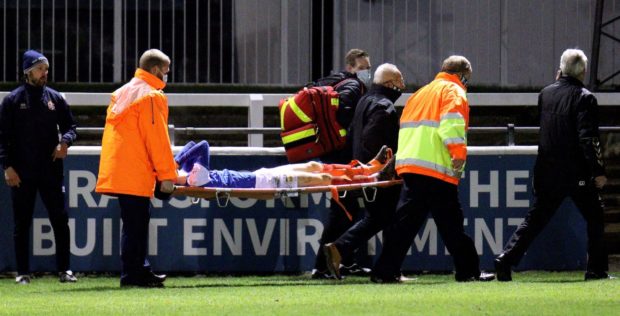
[364, 76]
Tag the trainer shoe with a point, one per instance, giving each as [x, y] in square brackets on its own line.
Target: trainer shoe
[404, 279]
[354, 269]
[333, 259]
[156, 277]
[483, 277]
[321, 275]
[22, 279]
[67, 276]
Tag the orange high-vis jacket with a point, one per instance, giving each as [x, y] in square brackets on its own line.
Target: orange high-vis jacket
[135, 149]
[433, 130]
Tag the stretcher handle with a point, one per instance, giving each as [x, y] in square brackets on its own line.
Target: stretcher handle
[222, 197]
[373, 195]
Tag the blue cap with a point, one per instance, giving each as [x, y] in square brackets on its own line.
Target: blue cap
[32, 58]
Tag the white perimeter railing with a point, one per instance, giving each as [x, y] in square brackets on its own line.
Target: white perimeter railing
[255, 103]
[279, 151]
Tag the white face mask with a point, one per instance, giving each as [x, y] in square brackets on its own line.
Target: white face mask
[364, 76]
[164, 76]
[464, 80]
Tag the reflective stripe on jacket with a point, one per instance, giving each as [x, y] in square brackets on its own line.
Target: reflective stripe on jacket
[433, 129]
[135, 149]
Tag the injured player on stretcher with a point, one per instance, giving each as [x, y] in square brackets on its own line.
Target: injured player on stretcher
[193, 162]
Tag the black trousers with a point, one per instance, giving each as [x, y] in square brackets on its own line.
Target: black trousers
[419, 196]
[136, 214]
[24, 197]
[549, 196]
[379, 214]
[337, 224]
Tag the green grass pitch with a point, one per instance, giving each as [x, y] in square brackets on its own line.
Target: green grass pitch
[531, 293]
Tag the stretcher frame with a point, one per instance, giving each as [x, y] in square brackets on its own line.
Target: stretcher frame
[223, 195]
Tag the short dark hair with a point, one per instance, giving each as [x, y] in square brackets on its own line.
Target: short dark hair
[353, 55]
[153, 57]
[456, 64]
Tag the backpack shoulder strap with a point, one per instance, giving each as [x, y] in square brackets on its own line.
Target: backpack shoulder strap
[341, 83]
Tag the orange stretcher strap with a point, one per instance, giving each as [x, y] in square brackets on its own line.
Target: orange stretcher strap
[336, 198]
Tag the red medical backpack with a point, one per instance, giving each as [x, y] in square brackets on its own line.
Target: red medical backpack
[309, 125]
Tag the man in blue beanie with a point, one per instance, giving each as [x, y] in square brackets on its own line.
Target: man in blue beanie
[36, 129]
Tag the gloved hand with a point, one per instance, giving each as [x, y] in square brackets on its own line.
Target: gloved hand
[167, 186]
[164, 189]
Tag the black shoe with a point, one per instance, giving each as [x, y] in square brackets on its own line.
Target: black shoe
[389, 171]
[502, 269]
[156, 277]
[598, 276]
[147, 279]
[140, 283]
[483, 277]
[386, 280]
[322, 275]
[354, 269]
[383, 155]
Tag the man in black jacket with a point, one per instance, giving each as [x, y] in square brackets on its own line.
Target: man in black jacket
[569, 164]
[351, 84]
[36, 128]
[374, 125]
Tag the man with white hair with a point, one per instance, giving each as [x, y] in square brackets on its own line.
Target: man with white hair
[36, 129]
[569, 164]
[374, 125]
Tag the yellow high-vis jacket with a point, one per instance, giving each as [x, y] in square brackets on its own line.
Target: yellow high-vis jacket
[433, 130]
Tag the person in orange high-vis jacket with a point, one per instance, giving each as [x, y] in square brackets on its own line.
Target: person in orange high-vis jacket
[135, 153]
[431, 155]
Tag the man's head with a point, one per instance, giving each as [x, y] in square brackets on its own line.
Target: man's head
[458, 65]
[574, 63]
[155, 62]
[356, 60]
[35, 67]
[389, 76]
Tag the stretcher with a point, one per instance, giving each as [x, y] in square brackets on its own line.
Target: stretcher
[223, 195]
